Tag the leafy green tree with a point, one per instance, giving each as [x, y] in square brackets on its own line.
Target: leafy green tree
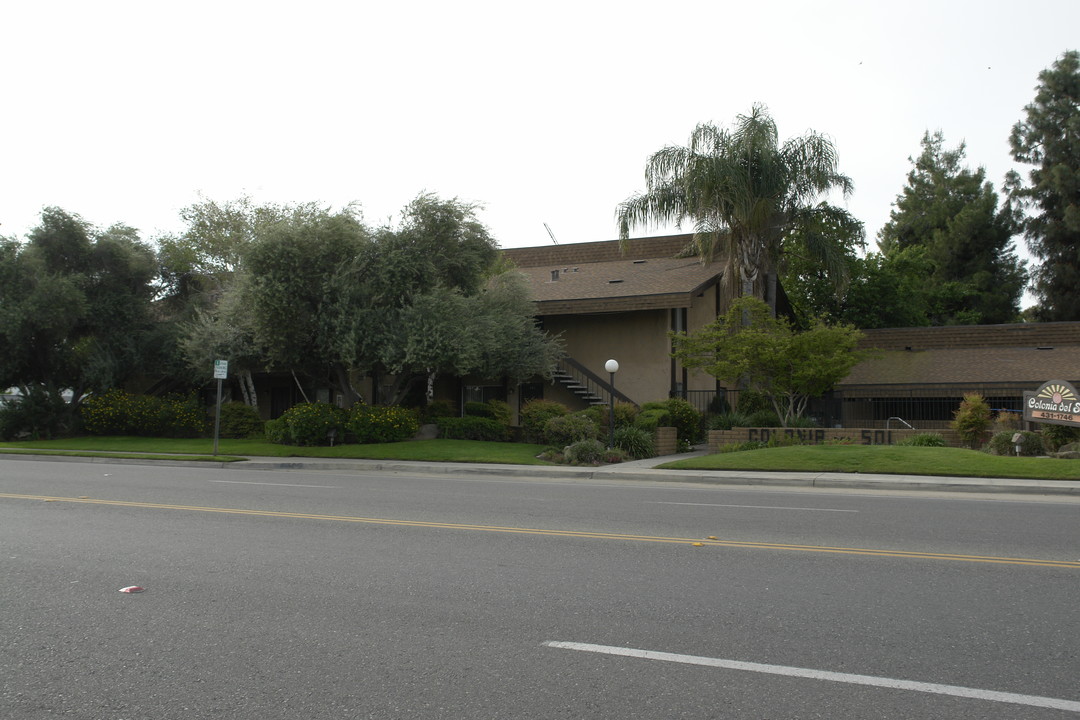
[225, 331]
[882, 291]
[431, 299]
[952, 212]
[491, 333]
[204, 287]
[329, 297]
[198, 263]
[1049, 139]
[744, 192]
[300, 273]
[75, 307]
[769, 357]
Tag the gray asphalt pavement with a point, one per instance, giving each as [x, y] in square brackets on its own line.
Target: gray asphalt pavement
[437, 591]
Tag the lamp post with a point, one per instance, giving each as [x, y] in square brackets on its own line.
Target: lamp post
[612, 366]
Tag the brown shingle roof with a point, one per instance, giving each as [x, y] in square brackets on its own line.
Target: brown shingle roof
[970, 336]
[967, 366]
[597, 277]
[664, 246]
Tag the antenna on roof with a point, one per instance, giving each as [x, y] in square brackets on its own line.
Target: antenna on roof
[551, 234]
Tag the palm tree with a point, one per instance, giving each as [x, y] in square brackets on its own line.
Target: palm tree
[744, 193]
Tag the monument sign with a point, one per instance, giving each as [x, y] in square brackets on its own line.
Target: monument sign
[1055, 402]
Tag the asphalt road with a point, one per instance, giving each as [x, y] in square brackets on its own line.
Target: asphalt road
[353, 595]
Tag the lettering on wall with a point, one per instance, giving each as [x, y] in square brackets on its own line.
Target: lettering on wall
[818, 436]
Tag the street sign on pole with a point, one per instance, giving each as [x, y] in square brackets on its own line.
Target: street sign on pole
[221, 372]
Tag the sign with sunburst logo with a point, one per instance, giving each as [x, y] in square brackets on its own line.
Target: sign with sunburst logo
[1056, 402]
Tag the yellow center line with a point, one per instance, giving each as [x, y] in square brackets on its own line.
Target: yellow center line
[1073, 565]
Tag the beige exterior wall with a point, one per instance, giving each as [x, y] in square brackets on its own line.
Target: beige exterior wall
[700, 313]
[638, 341]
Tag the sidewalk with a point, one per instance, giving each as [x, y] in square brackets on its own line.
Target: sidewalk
[646, 470]
[637, 470]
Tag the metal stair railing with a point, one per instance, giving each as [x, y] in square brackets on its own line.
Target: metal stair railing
[591, 383]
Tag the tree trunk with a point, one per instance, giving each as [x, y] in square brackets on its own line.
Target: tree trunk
[341, 374]
[246, 379]
[301, 387]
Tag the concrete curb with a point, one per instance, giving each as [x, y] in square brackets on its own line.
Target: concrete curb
[708, 477]
[641, 470]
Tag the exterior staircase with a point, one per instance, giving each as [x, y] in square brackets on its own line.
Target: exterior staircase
[585, 384]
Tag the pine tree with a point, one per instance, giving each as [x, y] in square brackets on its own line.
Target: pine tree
[952, 212]
[1049, 139]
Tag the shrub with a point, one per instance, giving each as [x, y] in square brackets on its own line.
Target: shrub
[651, 418]
[240, 420]
[568, 429]
[800, 421]
[438, 409]
[116, 412]
[313, 424]
[972, 419]
[613, 455]
[637, 442]
[39, 413]
[625, 414]
[739, 447]
[382, 424]
[500, 410]
[763, 418]
[752, 401]
[585, 452]
[597, 413]
[1005, 420]
[473, 428]
[182, 416]
[108, 413]
[1001, 443]
[534, 416]
[478, 409]
[1054, 436]
[552, 455]
[773, 442]
[276, 431]
[727, 420]
[685, 418]
[928, 439]
[719, 404]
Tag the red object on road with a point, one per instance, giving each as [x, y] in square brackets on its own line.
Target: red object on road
[131, 589]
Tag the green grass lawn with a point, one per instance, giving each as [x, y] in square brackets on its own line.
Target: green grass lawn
[887, 459]
[201, 449]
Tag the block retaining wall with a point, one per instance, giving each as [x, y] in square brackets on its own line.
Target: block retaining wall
[665, 440]
[821, 436]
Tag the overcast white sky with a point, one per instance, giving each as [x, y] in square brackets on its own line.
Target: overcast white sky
[127, 111]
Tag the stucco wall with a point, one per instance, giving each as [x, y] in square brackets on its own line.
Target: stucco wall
[700, 313]
[638, 341]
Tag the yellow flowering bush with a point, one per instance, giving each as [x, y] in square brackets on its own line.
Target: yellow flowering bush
[382, 424]
[309, 424]
[116, 412]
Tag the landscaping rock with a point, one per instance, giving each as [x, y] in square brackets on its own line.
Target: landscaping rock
[427, 432]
